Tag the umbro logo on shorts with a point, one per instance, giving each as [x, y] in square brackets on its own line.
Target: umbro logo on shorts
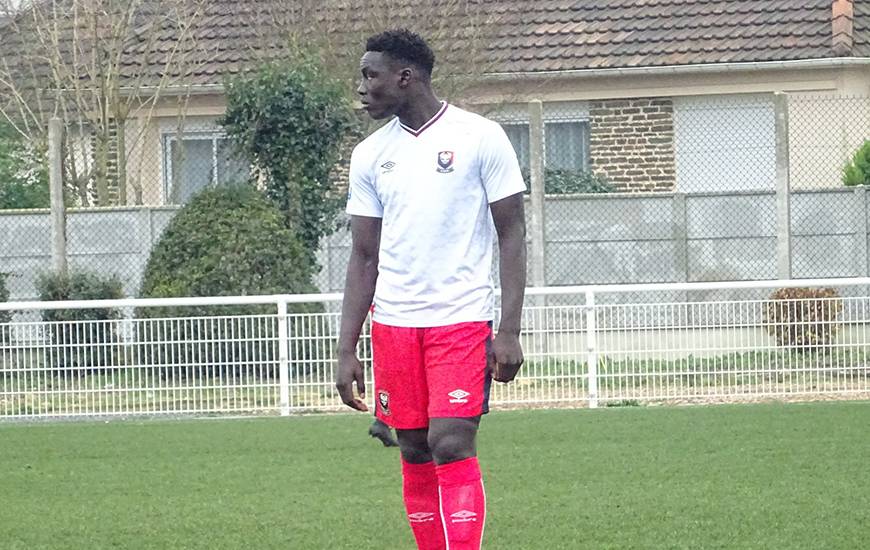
[459, 396]
[421, 517]
[387, 167]
[463, 516]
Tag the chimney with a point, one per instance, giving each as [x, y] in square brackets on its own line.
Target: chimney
[841, 27]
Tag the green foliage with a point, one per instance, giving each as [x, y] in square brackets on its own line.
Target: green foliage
[5, 316]
[227, 241]
[558, 181]
[23, 173]
[803, 318]
[82, 339]
[290, 119]
[857, 171]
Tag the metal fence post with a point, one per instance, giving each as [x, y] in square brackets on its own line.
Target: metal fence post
[58, 211]
[536, 198]
[283, 359]
[591, 350]
[861, 243]
[783, 191]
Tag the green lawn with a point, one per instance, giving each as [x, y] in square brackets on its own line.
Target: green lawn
[731, 476]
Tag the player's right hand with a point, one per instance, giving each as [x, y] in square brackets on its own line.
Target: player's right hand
[350, 371]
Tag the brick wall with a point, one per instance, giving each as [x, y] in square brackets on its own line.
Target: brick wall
[631, 142]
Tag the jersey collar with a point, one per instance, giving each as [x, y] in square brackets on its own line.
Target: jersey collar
[433, 120]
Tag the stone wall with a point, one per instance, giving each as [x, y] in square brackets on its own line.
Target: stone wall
[631, 143]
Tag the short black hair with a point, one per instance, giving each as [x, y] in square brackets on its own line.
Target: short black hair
[403, 45]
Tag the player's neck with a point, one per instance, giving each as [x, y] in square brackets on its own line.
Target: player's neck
[420, 111]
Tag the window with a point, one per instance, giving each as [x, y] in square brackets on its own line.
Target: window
[197, 161]
[566, 144]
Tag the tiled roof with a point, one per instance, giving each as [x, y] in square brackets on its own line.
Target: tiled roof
[560, 35]
[505, 36]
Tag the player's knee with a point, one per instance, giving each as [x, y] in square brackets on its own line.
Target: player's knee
[451, 447]
[414, 446]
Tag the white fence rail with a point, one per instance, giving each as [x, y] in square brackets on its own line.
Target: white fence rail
[585, 346]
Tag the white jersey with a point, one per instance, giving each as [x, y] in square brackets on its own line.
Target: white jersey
[432, 188]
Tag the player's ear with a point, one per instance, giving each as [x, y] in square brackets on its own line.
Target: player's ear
[405, 76]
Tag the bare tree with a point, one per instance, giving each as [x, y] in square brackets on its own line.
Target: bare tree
[460, 32]
[96, 64]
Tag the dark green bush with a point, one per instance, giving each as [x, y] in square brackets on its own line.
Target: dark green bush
[804, 319]
[23, 173]
[857, 171]
[5, 316]
[559, 181]
[228, 241]
[290, 119]
[83, 339]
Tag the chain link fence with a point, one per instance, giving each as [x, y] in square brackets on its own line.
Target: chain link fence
[668, 189]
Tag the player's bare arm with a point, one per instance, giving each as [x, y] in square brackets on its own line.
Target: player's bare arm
[507, 354]
[359, 289]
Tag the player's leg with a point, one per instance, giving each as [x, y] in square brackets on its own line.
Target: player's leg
[401, 401]
[458, 378]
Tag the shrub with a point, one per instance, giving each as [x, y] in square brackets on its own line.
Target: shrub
[290, 119]
[857, 171]
[5, 316]
[558, 181]
[803, 318]
[227, 241]
[82, 339]
[23, 173]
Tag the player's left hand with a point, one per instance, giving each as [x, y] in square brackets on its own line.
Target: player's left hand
[505, 357]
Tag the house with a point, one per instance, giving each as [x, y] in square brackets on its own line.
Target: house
[638, 91]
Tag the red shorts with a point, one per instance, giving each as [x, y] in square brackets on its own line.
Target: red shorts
[432, 372]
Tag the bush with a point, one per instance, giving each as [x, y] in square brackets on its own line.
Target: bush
[5, 316]
[857, 171]
[82, 339]
[228, 241]
[803, 318]
[559, 181]
[23, 173]
[290, 119]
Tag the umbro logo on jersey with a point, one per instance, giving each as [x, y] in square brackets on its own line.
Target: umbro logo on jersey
[463, 516]
[459, 396]
[445, 162]
[387, 167]
[421, 517]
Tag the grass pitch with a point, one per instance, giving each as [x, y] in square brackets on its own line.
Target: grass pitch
[730, 476]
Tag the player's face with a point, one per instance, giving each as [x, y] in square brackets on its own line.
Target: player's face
[380, 88]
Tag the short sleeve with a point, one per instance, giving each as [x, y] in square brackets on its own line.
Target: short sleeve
[362, 197]
[499, 167]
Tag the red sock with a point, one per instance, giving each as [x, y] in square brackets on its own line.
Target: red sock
[420, 488]
[463, 503]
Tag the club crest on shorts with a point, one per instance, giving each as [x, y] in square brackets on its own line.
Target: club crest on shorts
[384, 402]
[445, 162]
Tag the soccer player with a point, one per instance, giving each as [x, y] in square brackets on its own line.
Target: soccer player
[428, 193]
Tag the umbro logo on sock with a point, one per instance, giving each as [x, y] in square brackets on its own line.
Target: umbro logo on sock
[463, 516]
[459, 396]
[421, 517]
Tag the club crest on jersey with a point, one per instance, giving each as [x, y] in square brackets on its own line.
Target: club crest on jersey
[384, 402]
[445, 162]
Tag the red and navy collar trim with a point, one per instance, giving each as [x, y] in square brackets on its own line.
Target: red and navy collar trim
[433, 120]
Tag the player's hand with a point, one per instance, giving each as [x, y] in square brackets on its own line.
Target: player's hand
[505, 357]
[350, 371]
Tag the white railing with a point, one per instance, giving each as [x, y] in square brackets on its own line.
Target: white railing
[584, 346]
